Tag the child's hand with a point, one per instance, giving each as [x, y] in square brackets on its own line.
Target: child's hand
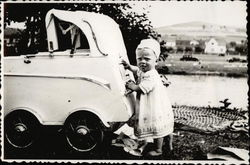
[130, 84]
[131, 121]
[125, 64]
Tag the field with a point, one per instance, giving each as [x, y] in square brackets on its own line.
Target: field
[207, 65]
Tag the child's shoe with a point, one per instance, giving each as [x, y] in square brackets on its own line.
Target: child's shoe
[135, 152]
[155, 153]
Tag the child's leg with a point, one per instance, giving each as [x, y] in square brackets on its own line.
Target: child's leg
[159, 143]
[170, 142]
[158, 147]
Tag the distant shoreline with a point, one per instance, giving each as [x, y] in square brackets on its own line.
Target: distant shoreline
[206, 73]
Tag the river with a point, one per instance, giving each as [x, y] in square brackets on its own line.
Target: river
[199, 90]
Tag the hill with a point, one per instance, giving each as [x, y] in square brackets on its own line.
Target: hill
[203, 29]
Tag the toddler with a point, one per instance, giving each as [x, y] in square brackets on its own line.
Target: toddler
[153, 119]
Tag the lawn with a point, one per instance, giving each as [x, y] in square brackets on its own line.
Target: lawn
[207, 65]
[187, 145]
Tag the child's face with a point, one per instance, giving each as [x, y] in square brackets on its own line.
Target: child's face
[146, 60]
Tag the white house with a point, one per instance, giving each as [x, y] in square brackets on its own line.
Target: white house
[215, 46]
[170, 42]
[194, 42]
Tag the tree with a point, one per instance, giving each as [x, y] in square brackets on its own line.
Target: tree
[241, 49]
[134, 26]
[203, 27]
[164, 53]
[232, 44]
[198, 49]
[188, 49]
[179, 49]
[245, 47]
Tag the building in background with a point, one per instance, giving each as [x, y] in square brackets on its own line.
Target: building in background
[11, 39]
[215, 46]
[170, 41]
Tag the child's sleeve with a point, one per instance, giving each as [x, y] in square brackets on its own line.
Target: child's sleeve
[147, 83]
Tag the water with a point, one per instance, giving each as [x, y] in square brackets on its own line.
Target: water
[208, 90]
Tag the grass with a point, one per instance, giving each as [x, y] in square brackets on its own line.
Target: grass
[207, 65]
[187, 144]
[194, 146]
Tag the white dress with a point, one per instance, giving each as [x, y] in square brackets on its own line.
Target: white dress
[154, 116]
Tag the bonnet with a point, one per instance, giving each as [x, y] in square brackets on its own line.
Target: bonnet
[150, 44]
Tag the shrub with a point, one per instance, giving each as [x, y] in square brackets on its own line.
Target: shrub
[162, 69]
[235, 59]
[188, 58]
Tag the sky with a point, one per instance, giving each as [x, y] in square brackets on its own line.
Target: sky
[162, 13]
